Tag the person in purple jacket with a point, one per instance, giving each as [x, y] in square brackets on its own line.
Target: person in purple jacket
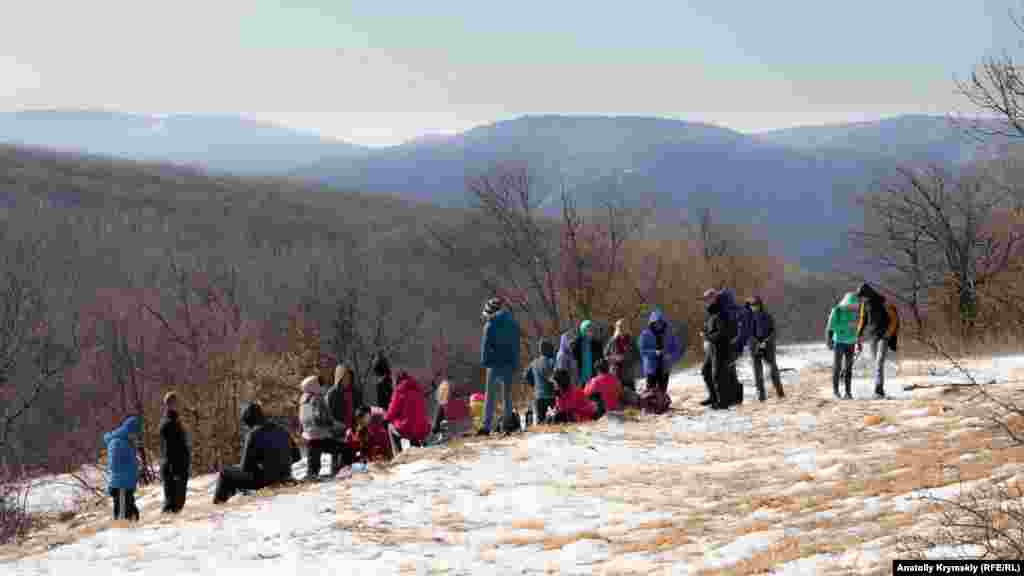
[659, 351]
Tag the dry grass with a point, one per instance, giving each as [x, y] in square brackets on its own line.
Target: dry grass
[780, 552]
[528, 524]
[556, 541]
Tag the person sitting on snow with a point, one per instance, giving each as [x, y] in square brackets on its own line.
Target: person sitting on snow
[322, 433]
[604, 389]
[267, 457]
[407, 413]
[368, 440]
[572, 404]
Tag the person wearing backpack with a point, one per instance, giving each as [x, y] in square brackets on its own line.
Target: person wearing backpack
[841, 338]
[878, 321]
[720, 334]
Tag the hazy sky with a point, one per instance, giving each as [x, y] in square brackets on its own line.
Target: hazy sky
[384, 71]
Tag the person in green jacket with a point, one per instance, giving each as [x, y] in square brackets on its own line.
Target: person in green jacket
[841, 337]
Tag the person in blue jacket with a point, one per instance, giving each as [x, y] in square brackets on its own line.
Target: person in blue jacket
[122, 467]
[659, 350]
[499, 354]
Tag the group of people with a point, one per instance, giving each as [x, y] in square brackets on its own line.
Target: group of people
[583, 379]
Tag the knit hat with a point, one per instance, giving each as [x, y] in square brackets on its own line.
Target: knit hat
[493, 306]
[709, 293]
[583, 328]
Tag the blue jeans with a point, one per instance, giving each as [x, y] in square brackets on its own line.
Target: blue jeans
[498, 376]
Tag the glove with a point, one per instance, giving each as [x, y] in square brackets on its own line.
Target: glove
[829, 344]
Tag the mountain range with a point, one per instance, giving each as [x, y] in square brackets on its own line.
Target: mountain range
[796, 187]
[215, 143]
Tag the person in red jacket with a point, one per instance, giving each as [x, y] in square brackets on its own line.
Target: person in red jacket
[604, 387]
[572, 404]
[407, 412]
[368, 439]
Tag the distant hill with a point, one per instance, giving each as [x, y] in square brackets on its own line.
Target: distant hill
[912, 137]
[218, 143]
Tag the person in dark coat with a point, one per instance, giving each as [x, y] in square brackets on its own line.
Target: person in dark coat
[499, 354]
[720, 335]
[175, 457]
[762, 347]
[874, 322]
[122, 466]
[267, 457]
[385, 384]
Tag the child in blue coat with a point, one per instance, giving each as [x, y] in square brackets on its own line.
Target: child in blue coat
[122, 467]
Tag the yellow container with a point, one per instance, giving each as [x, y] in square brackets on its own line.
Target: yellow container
[476, 408]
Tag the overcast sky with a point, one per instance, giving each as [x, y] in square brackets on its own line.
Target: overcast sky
[383, 71]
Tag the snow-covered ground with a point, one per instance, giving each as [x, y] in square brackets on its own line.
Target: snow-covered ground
[786, 485]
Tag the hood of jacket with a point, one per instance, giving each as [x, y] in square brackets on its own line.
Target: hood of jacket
[866, 291]
[130, 426]
[252, 415]
[546, 348]
[311, 385]
[849, 299]
[583, 328]
[656, 317]
[407, 384]
[565, 344]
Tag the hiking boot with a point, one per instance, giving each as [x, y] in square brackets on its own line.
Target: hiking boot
[483, 432]
[879, 395]
[762, 397]
[848, 396]
[835, 392]
[707, 402]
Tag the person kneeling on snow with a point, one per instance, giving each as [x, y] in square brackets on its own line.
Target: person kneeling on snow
[321, 432]
[368, 439]
[267, 457]
[123, 467]
[604, 389]
[453, 409]
[572, 404]
[407, 413]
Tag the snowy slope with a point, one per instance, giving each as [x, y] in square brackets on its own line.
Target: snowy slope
[672, 494]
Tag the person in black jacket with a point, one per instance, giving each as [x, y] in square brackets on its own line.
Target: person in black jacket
[175, 457]
[719, 334]
[873, 321]
[267, 457]
[762, 348]
[382, 370]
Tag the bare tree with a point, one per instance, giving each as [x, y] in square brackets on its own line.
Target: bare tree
[32, 358]
[507, 208]
[932, 229]
[996, 87]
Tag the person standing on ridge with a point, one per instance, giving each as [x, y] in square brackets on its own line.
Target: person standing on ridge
[762, 348]
[499, 354]
[841, 338]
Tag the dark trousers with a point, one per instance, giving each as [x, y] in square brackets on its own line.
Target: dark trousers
[724, 388]
[175, 488]
[124, 504]
[842, 367]
[341, 455]
[231, 480]
[761, 357]
[540, 408]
